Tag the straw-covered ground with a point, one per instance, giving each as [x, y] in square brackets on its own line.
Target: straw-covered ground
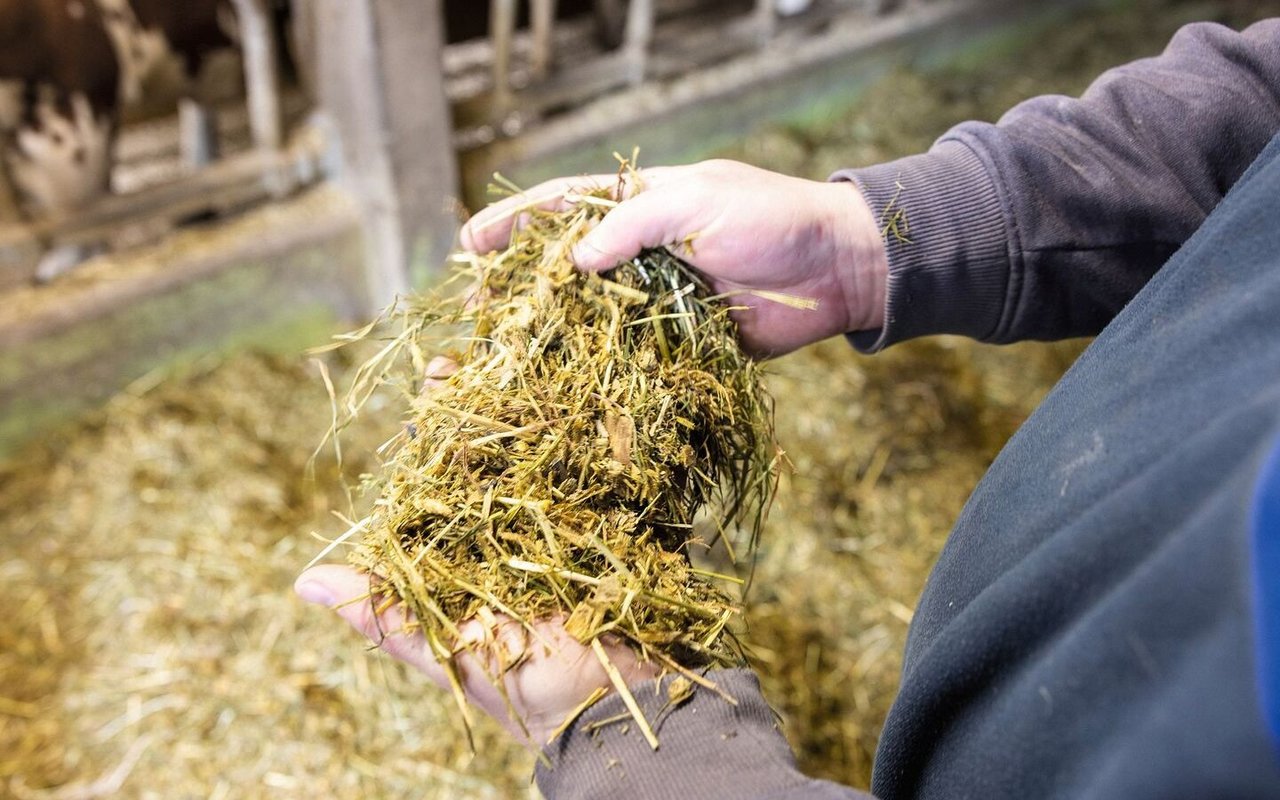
[149, 643]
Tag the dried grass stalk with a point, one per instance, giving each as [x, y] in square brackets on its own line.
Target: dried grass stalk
[559, 470]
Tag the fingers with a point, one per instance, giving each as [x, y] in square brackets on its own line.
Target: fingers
[336, 586]
[529, 680]
[437, 372]
[490, 228]
[650, 219]
[345, 590]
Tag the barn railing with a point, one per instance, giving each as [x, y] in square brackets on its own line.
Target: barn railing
[660, 41]
[269, 170]
[400, 107]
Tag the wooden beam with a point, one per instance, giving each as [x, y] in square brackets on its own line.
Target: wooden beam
[381, 83]
[636, 39]
[262, 84]
[232, 182]
[570, 86]
[542, 30]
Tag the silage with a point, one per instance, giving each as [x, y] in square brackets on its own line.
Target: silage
[558, 471]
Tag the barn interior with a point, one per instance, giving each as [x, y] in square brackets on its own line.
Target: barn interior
[158, 408]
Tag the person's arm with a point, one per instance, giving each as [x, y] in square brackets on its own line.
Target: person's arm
[708, 749]
[741, 226]
[1045, 224]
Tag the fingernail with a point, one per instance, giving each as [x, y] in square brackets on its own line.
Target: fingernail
[314, 592]
[440, 367]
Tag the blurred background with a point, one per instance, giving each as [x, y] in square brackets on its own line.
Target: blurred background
[192, 194]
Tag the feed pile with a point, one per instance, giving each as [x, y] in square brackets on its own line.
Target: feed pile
[558, 470]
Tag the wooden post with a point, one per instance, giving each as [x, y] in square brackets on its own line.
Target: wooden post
[197, 133]
[766, 21]
[542, 27]
[636, 39]
[502, 31]
[380, 79]
[262, 85]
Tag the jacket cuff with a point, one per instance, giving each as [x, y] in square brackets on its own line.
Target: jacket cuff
[708, 749]
[947, 242]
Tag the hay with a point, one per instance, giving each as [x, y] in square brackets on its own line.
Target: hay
[886, 450]
[558, 471]
[150, 636]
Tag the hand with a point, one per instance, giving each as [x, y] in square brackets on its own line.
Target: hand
[744, 228]
[553, 676]
[547, 676]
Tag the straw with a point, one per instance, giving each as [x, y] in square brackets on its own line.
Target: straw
[559, 470]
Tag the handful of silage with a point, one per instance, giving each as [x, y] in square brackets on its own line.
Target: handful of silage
[559, 469]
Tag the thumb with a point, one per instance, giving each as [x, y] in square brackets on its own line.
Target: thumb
[346, 591]
[649, 219]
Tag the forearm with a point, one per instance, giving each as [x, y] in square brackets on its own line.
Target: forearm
[708, 750]
[1045, 224]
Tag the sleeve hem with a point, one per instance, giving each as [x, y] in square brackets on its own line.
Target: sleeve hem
[947, 241]
[708, 749]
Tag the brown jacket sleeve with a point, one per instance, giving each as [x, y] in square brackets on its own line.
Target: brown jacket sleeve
[1044, 225]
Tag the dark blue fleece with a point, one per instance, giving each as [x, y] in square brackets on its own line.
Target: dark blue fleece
[1266, 582]
[1089, 630]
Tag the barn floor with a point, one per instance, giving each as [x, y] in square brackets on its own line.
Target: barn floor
[150, 647]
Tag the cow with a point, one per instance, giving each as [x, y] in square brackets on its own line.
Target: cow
[68, 70]
[57, 113]
[157, 39]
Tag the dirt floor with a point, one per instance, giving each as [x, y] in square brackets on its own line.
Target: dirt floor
[150, 647]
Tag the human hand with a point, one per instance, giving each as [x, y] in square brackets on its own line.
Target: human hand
[547, 674]
[744, 228]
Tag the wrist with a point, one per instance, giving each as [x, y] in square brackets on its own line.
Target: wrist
[942, 227]
[710, 748]
[856, 260]
[866, 266]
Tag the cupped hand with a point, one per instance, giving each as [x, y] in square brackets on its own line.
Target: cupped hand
[745, 228]
[547, 674]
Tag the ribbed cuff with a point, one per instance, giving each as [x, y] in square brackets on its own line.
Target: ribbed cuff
[947, 242]
[708, 749]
